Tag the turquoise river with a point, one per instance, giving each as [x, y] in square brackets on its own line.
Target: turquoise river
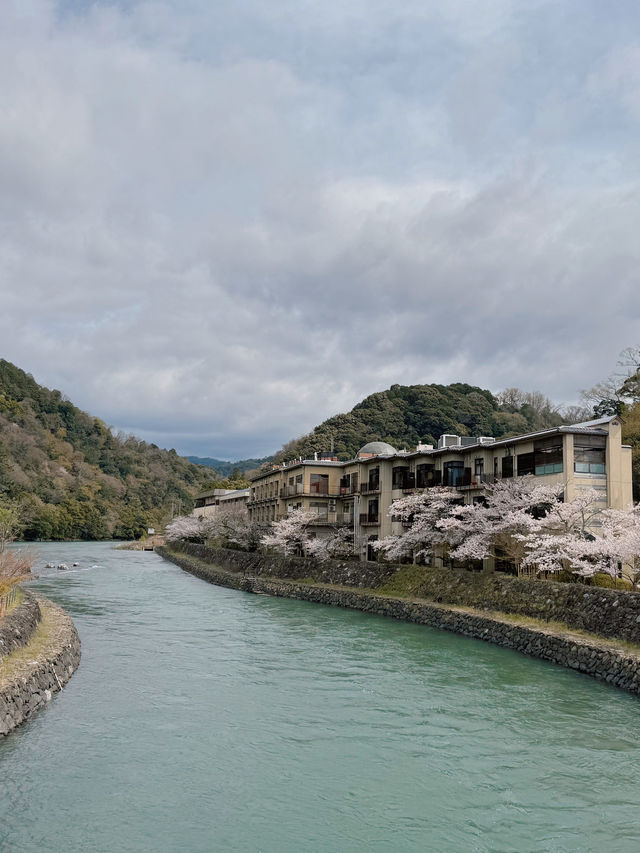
[204, 719]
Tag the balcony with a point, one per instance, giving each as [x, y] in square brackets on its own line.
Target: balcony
[291, 491]
[345, 491]
[369, 488]
[368, 520]
[475, 481]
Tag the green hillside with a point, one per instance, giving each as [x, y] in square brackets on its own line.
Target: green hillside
[74, 478]
[407, 414]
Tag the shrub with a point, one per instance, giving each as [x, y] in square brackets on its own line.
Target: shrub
[15, 565]
[607, 582]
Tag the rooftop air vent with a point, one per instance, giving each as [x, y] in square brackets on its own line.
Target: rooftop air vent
[449, 441]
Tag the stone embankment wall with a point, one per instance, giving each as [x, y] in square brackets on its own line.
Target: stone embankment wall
[608, 612]
[45, 653]
[19, 624]
[591, 655]
[357, 574]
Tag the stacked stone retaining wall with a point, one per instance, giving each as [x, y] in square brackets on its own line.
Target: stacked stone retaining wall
[39, 666]
[591, 655]
[608, 612]
[359, 574]
[17, 626]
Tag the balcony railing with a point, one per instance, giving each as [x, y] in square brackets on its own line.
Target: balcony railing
[369, 488]
[475, 481]
[291, 491]
[367, 519]
[349, 490]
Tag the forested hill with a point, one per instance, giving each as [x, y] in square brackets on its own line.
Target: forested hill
[407, 414]
[74, 478]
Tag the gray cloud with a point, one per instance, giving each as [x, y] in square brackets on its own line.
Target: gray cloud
[222, 223]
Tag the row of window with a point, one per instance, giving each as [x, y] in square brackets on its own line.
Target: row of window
[546, 458]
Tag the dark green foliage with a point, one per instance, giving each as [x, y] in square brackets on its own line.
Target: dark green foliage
[74, 478]
[606, 407]
[407, 414]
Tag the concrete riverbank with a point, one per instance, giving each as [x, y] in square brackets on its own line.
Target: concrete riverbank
[39, 653]
[610, 659]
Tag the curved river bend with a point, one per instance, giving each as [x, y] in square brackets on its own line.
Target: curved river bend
[204, 719]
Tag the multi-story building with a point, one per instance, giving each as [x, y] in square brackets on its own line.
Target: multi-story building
[360, 491]
[209, 502]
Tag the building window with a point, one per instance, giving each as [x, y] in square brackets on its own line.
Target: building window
[319, 484]
[453, 473]
[478, 467]
[526, 464]
[372, 510]
[548, 456]
[507, 466]
[374, 479]
[319, 509]
[589, 454]
[424, 476]
[402, 478]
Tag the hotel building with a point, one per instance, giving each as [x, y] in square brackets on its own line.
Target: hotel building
[359, 492]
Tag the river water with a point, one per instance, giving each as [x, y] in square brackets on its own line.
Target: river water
[205, 719]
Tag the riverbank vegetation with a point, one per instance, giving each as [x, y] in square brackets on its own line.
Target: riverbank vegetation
[228, 528]
[15, 565]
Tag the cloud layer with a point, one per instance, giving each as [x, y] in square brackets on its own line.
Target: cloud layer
[222, 223]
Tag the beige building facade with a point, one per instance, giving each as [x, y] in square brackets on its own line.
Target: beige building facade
[360, 491]
[210, 502]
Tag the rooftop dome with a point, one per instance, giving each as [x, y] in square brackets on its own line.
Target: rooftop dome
[376, 448]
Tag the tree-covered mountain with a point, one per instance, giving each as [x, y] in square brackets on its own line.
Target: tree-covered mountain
[407, 414]
[74, 478]
[229, 469]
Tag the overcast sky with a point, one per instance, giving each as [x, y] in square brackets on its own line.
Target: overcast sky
[222, 222]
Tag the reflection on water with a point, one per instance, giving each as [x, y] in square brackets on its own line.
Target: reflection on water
[206, 719]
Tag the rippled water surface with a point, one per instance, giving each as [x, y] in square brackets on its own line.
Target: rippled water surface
[205, 719]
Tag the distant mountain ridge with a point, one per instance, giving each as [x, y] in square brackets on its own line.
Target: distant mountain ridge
[226, 468]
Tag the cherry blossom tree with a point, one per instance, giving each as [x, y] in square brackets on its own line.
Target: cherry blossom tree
[188, 528]
[338, 545]
[526, 521]
[291, 535]
[511, 511]
[423, 512]
[232, 527]
[611, 540]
